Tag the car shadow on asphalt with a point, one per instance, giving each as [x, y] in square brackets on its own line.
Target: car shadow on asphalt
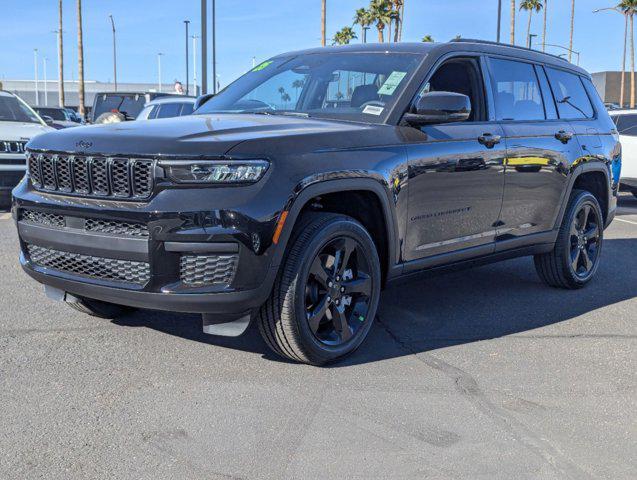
[450, 309]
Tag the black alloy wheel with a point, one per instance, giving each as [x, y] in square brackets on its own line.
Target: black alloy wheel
[327, 291]
[575, 257]
[585, 240]
[338, 291]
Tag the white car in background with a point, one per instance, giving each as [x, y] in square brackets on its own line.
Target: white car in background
[18, 124]
[626, 121]
[167, 107]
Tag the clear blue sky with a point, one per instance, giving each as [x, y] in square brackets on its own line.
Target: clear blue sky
[259, 28]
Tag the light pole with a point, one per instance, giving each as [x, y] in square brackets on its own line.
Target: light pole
[564, 48]
[531, 37]
[499, 20]
[37, 87]
[204, 47]
[214, 48]
[114, 53]
[46, 93]
[623, 80]
[365, 34]
[194, 64]
[187, 22]
[159, 55]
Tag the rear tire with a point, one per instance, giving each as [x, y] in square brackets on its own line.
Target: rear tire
[97, 308]
[326, 293]
[575, 258]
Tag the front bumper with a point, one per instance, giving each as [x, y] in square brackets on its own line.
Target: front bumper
[161, 260]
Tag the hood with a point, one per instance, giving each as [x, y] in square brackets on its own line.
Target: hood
[21, 131]
[205, 135]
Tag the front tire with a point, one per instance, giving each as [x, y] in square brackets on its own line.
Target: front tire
[97, 308]
[326, 294]
[575, 258]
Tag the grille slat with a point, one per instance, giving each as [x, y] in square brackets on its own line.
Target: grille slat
[99, 268]
[92, 176]
[98, 225]
[200, 270]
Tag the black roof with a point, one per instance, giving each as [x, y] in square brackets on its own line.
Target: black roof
[467, 45]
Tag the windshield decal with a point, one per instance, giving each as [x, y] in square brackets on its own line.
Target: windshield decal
[391, 84]
[261, 66]
[373, 110]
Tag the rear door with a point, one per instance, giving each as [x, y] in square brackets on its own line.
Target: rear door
[540, 148]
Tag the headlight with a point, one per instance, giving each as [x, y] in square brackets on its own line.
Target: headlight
[216, 172]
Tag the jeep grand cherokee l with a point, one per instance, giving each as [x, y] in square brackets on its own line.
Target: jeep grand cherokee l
[318, 177]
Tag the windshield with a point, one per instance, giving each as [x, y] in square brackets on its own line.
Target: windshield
[13, 110]
[343, 86]
[54, 113]
[130, 105]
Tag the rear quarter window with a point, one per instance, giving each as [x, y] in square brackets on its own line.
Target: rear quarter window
[572, 100]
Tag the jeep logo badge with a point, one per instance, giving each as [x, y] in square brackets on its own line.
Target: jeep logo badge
[84, 144]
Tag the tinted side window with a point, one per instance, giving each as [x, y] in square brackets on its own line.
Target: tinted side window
[169, 110]
[626, 124]
[516, 91]
[571, 97]
[186, 109]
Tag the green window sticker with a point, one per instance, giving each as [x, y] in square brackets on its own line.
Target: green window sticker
[261, 66]
[391, 84]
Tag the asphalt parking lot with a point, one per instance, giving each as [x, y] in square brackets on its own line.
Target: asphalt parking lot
[480, 374]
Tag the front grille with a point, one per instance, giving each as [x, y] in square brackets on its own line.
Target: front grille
[42, 218]
[126, 271]
[11, 146]
[200, 270]
[111, 227]
[116, 228]
[91, 176]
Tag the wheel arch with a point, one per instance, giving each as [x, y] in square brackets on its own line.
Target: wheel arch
[303, 200]
[595, 178]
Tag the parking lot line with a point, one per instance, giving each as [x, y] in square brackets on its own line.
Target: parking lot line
[625, 221]
[5, 216]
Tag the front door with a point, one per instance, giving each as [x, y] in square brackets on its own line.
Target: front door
[455, 174]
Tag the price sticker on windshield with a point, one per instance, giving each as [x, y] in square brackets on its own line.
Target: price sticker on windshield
[391, 84]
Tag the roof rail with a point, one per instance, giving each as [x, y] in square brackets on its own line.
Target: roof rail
[490, 42]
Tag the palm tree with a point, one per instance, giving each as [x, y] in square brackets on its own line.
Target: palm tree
[428, 39]
[570, 44]
[546, 9]
[296, 85]
[381, 14]
[629, 8]
[364, 19]
[397, 8]
[60, 57]
[80, 60]
[512, 22]
[323, 19]
[344, 36]
[530, 6]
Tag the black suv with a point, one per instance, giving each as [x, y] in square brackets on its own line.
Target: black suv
[297, 193]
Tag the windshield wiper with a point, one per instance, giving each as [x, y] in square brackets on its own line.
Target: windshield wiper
[286, 113]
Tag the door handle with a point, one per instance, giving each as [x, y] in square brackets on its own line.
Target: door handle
[564, 136]
[489, 140]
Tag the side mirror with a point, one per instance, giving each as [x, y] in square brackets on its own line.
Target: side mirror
[202, 99]
[440, 107]
[48, 120]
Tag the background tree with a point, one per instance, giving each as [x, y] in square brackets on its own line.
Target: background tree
[428, 39]
[530, 6]
[344, 36]
[397, 7]
[512, 22]
[296, 85]
[629, 8]
[364, 19]
[381, 13]
[80, 60]
[323, 21]
[546, 9]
